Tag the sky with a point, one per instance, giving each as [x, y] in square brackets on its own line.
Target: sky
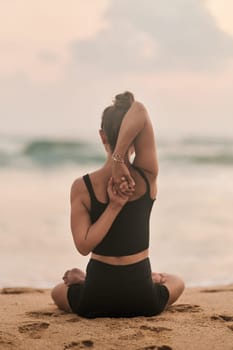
[61, 63]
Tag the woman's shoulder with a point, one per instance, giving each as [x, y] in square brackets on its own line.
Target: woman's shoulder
[78, 187]
[77, 184]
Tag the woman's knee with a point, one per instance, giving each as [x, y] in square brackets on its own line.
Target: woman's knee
[59, 296]
[179, 283]
[175, 285]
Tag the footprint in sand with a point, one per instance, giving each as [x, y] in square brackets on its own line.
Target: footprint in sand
[74, 319]
[155, 347]
[216, 290]
[39, 314]
[20, 290]
[8, 341]
[46, 314]
[79, 345]
[136, 335]
[184, 308]
[34, 330]
[150, 319]
[224, 318]
[155, 329]
[73, 345]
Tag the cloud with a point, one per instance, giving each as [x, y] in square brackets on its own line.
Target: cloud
[127, 49]
[35, 33]
[47, 56]
[153, 35]
[222, 10]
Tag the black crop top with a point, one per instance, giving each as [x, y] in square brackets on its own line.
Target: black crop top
[129, 233]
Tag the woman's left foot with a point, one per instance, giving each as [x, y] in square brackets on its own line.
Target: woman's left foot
[158, 277]
[74, 276]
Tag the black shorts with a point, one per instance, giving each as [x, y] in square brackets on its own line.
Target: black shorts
[118, 291]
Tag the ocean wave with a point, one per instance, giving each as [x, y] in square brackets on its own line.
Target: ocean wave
[46, 152]
[220, 158]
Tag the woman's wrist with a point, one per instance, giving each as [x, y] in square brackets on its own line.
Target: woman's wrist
[116, 207]
[117, 158]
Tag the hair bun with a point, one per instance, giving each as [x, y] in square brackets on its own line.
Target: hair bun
[124, 101]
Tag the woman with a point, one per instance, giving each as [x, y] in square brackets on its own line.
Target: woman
[110, 211]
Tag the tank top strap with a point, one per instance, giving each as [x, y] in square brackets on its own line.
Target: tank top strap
[90, 189]
[144, 177]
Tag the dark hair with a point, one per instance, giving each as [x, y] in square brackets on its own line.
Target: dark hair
[113, 115]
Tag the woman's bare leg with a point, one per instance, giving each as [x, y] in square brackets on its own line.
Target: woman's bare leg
[174, 284]
[59, 292]
[59, 296]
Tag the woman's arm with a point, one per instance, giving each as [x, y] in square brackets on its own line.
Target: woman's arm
[136, 129]
[85, 234]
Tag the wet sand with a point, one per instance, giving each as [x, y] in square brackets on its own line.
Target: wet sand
[201, 319]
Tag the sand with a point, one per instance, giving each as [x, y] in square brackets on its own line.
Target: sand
[201, 319]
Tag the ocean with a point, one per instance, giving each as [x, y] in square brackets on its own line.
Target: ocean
[191, 221]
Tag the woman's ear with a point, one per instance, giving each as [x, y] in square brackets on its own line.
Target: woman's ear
[103, 136]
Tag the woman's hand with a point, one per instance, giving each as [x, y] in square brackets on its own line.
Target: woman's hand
[117, 198]
[120, 175]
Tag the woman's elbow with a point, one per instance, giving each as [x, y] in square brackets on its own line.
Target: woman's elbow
[155, 171]
[138, 106]
[83, 252]
[82, 249]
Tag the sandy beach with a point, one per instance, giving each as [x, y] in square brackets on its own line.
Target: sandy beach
[201, 319]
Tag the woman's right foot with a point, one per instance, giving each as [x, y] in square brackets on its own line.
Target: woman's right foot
[74, 276]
